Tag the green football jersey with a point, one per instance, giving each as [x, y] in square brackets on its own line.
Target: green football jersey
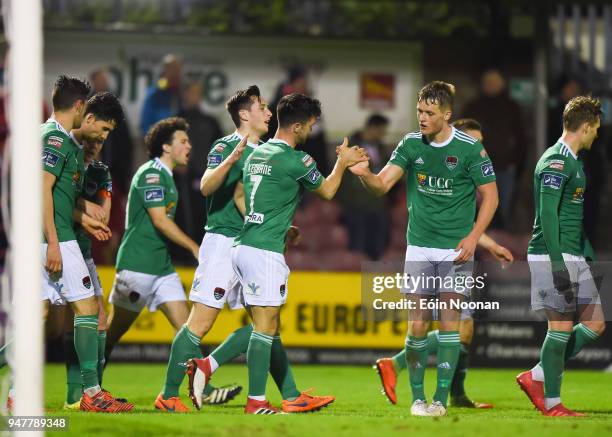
[441, 181]
[96, 181]
[560, 173]
[63, 158]
[274, 177]
[143, 248]
[223, 216]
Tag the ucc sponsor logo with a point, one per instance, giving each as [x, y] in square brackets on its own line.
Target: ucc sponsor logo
[434, 183]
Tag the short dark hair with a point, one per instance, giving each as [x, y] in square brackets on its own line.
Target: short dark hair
[105, 106]
[67, 91]
[297, 108]
[376, 120]
[438, 92]
[242, 99]
[579, 110]
[161, 133]
[465, 124]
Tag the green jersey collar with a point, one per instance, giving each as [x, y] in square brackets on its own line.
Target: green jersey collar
[161, 165]
[445, 143]
[74, 140]
[240, 137]
[566, 150]
[279, 142]
[59, 126]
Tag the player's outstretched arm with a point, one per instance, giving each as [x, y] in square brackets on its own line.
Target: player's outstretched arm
[347, 157]
[378, 184]
[214, 177]
[499, 252]
[54, 256]
[490, 200]
[171, 230]
[239, 198]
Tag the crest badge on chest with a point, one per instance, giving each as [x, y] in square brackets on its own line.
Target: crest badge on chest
[451, 162]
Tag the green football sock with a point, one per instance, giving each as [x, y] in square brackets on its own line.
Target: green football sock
[280, 369]
[458, 384]
[581, 336]
[416, 360]
[74, 380]
[235, 344]
[432, 342]
[552, 358]
[448, 355]
[185, 345]
[3, 352]
[399, 361]
[101, 359]
[86, 346]
[258, 362]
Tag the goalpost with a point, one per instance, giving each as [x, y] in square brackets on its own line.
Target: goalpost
[23, 29]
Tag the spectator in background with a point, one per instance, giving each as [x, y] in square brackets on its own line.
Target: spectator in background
[204, 129]
[594, 161]
[365, 215]
[316, 144]
[162, 99]
[118, 150]
[502, 126]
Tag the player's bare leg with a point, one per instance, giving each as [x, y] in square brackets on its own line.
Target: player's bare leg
[120, 321]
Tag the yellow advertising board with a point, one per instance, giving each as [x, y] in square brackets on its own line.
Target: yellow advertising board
[323, 310]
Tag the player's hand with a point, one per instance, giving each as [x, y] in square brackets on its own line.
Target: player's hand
[360, 169]
[563, 284]
[350, 155]
[54, 258]
[467, 246]
[234, 157]
[502, 254]
[293, 236]
[96, 228]
[94, 210]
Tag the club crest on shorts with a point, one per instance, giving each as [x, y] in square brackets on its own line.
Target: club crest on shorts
[134, 296]
[87, 282]
[219, 293]
[283, 290]
[253, 289]
[451, 162]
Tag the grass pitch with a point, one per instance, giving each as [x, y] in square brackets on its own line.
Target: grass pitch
[360, 409]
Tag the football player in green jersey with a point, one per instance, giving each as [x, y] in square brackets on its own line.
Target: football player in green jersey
[445, 167]
[66, 277]
[145, 274]
[561, 279]
[215, 282]
[388, 368]
[275, 175]
[96, 188]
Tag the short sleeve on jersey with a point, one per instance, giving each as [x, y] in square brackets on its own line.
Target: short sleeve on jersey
[399, 156]
[306, 173]
[55, 150]
[218, 153]
[105, 187]
[480, 167]
[151, 190]
[554, 174]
